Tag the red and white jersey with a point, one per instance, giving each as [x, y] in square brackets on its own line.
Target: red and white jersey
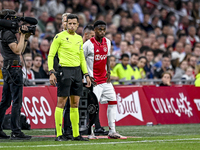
[96, 58]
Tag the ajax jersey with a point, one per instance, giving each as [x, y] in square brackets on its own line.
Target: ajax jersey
[96, 58]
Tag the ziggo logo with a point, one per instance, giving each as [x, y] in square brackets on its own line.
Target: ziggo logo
[34, 111]
[100, 57]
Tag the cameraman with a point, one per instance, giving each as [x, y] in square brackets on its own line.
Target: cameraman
[13, 79]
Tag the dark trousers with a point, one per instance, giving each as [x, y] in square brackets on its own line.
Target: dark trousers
[12, 90]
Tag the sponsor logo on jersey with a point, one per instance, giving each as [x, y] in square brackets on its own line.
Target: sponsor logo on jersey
[97, 50]
[100, 57]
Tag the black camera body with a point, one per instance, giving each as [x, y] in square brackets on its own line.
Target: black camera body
[13, 22]
[31, 29]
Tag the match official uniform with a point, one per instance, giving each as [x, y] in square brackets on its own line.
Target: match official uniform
[69, 77]
[71, 60]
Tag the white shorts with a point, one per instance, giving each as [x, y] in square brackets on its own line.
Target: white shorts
[104, 92]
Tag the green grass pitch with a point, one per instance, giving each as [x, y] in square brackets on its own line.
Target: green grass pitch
[158, 137]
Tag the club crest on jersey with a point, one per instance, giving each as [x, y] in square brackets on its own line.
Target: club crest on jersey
[105, 49]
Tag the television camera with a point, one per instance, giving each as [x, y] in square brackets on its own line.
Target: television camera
[9, 21]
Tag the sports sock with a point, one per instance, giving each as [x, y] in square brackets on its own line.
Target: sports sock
[58, 120]
[111, 114]
[74, 117]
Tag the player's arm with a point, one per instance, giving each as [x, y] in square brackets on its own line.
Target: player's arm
[86, 53]
[84, 66]
[52, 52]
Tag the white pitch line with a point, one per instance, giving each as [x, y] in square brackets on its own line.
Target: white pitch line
[104, 143]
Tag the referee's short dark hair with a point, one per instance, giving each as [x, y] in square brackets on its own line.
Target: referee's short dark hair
[72, 16]
[99, 22]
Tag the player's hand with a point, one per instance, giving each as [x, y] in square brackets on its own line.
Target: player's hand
[108, 77]
[53, 79]
[93, 81]
[88, 81]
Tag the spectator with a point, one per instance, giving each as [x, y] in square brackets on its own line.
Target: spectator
[188, 74]
[56, 7]
[123, 50]
[57, 22]
[138, 9]
[128, 37]
[123, 69]
[40, 6]
[37, 63]
[196, 52]
[134, 59]
[192, 61]
[188, 48]
[166, 79]
[44, 48]
[149, 65]
[165, 66]
[192, 38]
[139, 72]
[169, 41]
[44, 70]
[116, 41]
[113, 75]
[180, 70]
[34, 47]
[178, 53]
[27, 72]
[145, 25]
[42, 21]
[197, 72]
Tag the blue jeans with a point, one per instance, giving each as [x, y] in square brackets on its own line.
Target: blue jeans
[12, 90]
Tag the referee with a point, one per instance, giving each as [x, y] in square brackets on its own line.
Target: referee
[69, 47]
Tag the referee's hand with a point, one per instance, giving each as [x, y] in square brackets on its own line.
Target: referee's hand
[53, 79]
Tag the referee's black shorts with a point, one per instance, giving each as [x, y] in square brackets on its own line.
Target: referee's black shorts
[69, 81]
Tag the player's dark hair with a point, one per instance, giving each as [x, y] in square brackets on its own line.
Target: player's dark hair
[72, 16]
[89, 27]
[124, 55]
[99, 22]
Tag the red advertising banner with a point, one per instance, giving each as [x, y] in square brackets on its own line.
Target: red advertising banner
[38, 107]
[171, 105]
[194, 97]
[132, 107]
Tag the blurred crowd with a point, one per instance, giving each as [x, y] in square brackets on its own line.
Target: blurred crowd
[149, 37]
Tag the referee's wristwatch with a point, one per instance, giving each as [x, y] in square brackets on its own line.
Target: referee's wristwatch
[51, 71]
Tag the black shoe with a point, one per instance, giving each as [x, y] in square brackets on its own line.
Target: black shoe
[100, 131]
[3, 135]
[20, 136]
[60, 138]
[80, 138]
[68, 137]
